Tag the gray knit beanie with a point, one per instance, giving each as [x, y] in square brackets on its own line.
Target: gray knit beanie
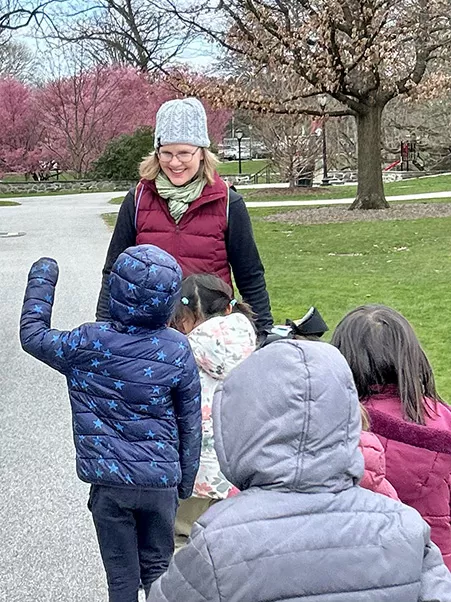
[182, 121]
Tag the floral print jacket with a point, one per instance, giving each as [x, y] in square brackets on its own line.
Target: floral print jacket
[218, 345]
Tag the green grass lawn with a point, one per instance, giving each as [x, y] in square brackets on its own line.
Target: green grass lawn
[403, 264]
[414, 186]
[418, 185]
[247, 167]
[8, 203]
[110, 219]
[117, 200]
[14, 195]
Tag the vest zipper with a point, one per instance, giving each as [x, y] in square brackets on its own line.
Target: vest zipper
[176, 242]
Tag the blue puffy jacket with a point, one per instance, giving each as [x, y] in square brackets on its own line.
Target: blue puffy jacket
[133, 383]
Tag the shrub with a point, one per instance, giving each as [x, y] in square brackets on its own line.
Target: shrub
[122, 156]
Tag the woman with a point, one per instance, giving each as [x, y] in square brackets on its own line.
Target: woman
[184, 207]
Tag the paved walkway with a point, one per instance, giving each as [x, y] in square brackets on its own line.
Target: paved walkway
[100, 200]
[48, 550]
[347, 201]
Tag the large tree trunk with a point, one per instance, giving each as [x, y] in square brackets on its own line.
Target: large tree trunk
[370, 189]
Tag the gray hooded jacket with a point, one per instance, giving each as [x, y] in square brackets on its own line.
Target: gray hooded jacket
[287, 426]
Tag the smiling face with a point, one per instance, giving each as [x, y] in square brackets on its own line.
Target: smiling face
[183, 168]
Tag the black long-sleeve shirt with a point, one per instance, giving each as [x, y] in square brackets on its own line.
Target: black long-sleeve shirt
[242, 254]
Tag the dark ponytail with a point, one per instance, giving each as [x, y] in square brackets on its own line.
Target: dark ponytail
[205, 296]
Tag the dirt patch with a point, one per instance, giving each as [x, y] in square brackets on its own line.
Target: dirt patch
[328, 215]
[295, 193]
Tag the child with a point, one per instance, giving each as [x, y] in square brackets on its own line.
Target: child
[312, 327]
[395, 382]
[135, 396]
[287, 427]
[221, 335]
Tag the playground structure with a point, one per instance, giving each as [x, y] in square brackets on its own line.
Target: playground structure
[410, 159]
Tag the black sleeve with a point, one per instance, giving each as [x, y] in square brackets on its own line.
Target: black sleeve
[246, 264]
[124, 236]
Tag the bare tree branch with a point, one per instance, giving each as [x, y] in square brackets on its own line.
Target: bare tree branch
[139, 33]
[16, 60]
[17, 14]
[362, 53]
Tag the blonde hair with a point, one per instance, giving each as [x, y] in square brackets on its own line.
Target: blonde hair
[150, 167]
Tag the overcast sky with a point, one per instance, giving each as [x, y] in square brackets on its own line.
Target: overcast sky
[199, 55]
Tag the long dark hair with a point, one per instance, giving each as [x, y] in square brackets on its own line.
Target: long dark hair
[381, 348]
[205, 296]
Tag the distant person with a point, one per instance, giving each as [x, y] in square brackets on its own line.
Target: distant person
[395, 383]
[183, 206]
[287, 428]
[221, 335]
[135, 396]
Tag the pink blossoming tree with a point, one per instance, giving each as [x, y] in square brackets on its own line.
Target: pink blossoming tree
[70, 120]
[20, 129]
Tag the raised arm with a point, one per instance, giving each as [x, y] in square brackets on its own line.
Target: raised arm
[53, 347]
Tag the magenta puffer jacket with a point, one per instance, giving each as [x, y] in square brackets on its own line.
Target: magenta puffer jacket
[418, 460]
[374, 477]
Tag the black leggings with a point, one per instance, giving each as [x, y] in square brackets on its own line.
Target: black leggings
[135, 530]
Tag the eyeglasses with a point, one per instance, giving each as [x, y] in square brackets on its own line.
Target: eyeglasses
[183, 157]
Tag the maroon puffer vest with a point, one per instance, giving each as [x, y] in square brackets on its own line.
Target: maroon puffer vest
[198, 241]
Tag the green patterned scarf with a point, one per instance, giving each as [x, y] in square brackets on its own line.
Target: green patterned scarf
[178, 197]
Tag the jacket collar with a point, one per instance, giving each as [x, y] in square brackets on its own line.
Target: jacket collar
[417, 435]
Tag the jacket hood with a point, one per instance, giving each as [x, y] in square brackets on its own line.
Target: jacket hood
[145, 285]
[220, 343]
[288, 418]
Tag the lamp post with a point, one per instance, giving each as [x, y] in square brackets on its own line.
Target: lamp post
[322, 104]
[239, 135]
[413, 147]
[250, 141]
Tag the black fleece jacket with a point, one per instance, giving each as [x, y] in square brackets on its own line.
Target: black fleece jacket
[242, 254]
